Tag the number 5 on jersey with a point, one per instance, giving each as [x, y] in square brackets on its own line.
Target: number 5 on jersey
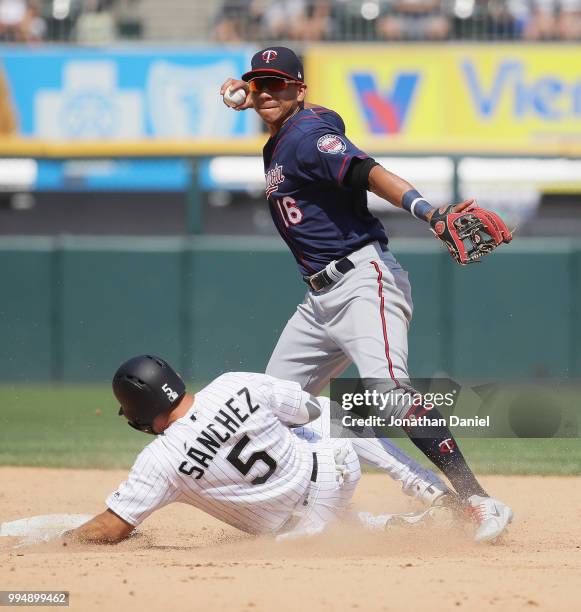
[245, 466]
[290, 213]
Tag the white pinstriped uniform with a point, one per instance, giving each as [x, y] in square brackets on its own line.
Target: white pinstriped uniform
[233, 456]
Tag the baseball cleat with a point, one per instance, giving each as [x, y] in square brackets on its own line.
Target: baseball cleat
[432, 517]
[448, 510]
[380, 522]
[491, 515]
[410, 519]
[448, 499]
[425, 491]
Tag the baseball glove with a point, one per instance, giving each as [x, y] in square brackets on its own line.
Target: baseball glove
[469, 234]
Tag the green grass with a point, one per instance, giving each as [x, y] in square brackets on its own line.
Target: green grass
[68, 426]
[78, 426]
[553, 456]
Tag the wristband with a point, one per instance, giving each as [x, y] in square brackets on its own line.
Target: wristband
[413, 202]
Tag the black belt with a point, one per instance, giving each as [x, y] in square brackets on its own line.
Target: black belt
[321, 279]
[315, 469]
[298, 512]
[314, 473]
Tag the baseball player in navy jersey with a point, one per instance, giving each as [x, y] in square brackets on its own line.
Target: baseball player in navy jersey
[358, 306]
[230, 451]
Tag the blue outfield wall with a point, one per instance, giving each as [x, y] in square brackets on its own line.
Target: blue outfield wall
[73, 308]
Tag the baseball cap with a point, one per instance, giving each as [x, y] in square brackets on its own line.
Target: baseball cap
[276, 61]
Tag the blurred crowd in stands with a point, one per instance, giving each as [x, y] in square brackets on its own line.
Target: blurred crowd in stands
[83, 21]
[237, 21]
[20, 21]
[395, 20]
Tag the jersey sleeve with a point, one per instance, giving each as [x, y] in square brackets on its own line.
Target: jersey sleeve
[146, 489]
[285, 399]
[330, 116]
[324, 155]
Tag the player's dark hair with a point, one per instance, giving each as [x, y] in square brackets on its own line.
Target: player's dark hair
[146, 386]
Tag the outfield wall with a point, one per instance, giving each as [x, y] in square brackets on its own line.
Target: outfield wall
[74, 308]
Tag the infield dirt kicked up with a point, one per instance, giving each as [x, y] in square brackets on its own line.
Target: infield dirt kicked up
[183, 559]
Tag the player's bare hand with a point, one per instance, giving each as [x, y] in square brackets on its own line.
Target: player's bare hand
[235, 85]
[456, 208]
[463, 205]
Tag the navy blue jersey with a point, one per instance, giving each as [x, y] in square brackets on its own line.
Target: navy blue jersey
[305, 164]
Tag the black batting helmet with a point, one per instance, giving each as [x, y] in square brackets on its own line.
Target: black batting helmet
[146, 386]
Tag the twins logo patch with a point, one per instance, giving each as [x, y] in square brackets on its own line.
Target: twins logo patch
[330, 143]
[447, 446]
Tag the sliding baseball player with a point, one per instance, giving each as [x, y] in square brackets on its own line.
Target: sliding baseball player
[230, 451]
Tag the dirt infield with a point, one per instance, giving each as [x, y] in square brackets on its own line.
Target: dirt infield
[185, 560]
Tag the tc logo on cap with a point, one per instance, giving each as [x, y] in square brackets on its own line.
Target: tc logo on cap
[269, 55]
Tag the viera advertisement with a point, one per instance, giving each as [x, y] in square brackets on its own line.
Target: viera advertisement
[500, 98]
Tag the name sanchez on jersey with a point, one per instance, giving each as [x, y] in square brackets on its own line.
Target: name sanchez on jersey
[225, 424]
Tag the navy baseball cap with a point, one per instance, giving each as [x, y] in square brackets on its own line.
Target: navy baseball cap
[276, 61]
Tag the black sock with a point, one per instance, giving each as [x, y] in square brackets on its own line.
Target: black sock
[438, 445]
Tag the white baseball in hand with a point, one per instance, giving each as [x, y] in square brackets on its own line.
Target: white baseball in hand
[234, 98]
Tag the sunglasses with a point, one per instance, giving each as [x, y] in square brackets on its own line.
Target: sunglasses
[270, 83]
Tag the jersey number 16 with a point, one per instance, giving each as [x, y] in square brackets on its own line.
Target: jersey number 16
[290, 213]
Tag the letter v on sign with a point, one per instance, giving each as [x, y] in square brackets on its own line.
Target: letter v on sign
[487, 103]
[386, 112]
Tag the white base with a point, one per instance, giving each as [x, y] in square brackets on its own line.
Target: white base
[42, 528]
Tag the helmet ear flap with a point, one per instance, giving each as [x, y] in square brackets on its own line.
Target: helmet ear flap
[140, 427]
[143, 428]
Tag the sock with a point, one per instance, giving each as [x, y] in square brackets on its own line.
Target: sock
[439, 446]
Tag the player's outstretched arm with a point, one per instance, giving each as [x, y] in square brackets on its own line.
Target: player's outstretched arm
[387, 185]
[234, 85]
[469, 232]
[395, 190]
[105, 528]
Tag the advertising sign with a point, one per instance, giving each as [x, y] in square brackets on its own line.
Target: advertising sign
[76, 94]
[500, 98]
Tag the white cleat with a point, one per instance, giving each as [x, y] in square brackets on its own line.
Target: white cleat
[380, 522]
[491, 515]
[414, 519]
[425, 491]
